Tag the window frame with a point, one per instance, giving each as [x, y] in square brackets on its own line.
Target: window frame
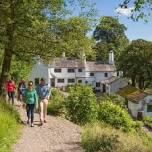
[68, 70]
[60, 81]
[91, 74]
[80, 70]
[105, 74]
[71, 79]
[60, 70]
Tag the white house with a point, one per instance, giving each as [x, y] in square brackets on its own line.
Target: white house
[140, 102]
[62, 72]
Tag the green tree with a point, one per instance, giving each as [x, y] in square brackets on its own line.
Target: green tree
[28, 29]
[136, 63]
[142, 9]
[109, 34]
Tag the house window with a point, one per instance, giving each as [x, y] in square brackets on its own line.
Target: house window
[79, 70]
[91, 74]
[57, 70]
[79, 81]
[71, 80]
[97, 84]
[60, 80]
[36, 81]
[71, 70]
[105, 74]
[149, 108]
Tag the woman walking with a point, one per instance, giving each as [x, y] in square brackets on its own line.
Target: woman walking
[31, 101]
[11, 91]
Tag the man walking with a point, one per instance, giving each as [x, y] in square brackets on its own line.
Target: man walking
[44, 93]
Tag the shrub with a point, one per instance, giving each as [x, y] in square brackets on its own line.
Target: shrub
[148, 121]
[81, 104]
[9, 127]
[115, 115]
[56, 104]
[96, 137]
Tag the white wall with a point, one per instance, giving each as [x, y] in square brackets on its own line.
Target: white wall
[118, 84]
[39, 71]
[134, 108]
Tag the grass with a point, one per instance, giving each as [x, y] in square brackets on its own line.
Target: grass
[9, 127]
[100, 137]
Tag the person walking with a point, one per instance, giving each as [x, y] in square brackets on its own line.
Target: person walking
[31, 101]
[21, 91]
[44, 93]
[11, 91]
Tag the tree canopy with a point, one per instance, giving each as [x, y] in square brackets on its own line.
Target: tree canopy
[42, 28]
[142, 9]
[136, 63]
[109, 34]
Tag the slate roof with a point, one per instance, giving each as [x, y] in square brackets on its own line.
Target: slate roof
[78, 63]
[111, 80]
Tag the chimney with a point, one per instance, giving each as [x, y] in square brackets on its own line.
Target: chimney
[83, 56]
[63, 55]
[111, 57]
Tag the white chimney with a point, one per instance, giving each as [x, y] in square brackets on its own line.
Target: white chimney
[83, 56]
[63, 55]
[111, 57]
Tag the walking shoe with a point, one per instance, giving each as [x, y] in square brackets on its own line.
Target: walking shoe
[28, 122]
[45, 121]
[32, 125]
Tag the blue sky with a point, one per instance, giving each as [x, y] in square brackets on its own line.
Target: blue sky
[135, 30]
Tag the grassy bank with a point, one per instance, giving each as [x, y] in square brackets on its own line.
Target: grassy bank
[9, 127]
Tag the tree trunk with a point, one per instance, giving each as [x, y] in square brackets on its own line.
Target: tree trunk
[8, 52]
[141, 82]
[133, 80]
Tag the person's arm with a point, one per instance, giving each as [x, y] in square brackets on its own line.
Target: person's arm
[48, 93]
[36, 99]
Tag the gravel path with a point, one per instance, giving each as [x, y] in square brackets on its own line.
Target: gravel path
[57, 135]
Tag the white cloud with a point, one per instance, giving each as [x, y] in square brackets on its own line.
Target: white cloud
[123, 11]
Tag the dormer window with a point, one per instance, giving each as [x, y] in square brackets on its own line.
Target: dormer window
[57, 70]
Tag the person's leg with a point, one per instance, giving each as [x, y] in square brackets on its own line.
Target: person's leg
[28, 113]
[45, 109]
[9, 97]
[32, 114]
[12, 97]
[41, 111]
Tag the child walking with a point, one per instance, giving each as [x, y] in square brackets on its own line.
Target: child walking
[31, 101]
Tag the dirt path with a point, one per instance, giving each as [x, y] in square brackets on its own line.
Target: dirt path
[57, 135]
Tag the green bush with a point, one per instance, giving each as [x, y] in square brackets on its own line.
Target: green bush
[9, 127]
[81, 104]
[100, 138]
[148, 121]
[115, 115]
[56, 104]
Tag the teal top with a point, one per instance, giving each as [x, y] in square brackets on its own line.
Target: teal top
[31, 97]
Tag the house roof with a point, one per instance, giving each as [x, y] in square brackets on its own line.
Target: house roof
[79, 63]
[133, 94]
[67, 63]
[110, 80]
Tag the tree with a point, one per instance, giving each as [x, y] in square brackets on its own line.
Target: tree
[142, 8]
[28, 29]
[109, 34]
[136, 63]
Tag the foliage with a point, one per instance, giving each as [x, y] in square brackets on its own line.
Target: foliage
[136, 63]
[148, 121]
[9, 127]
[98, 137]
[110, 35]
[31, 28]
[56, 104]
[81, 104]
[115, 116]
[142, 9]
[116, 99]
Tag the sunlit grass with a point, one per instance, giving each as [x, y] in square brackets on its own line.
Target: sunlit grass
[9, 127]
